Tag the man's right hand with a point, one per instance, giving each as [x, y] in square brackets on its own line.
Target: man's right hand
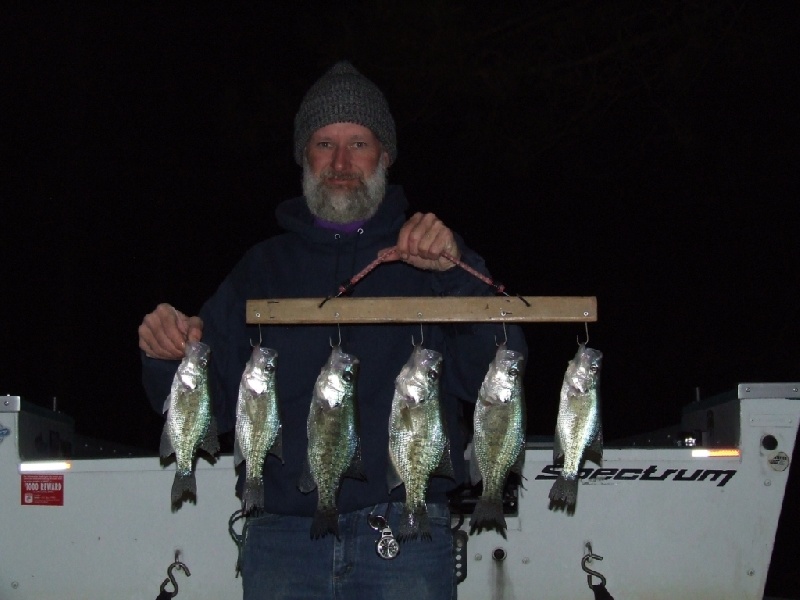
[165, 331]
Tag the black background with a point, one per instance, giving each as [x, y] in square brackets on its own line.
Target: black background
[642, 153]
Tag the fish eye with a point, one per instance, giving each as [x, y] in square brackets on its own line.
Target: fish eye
[347, 376]
[433, 375]
[270, 368]
[513, 371]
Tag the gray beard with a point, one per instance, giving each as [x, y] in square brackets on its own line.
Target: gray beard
[343, 206]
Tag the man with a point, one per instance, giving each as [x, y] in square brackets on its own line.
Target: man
[348, 215]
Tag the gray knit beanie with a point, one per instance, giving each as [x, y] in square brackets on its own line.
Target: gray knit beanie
[343, 95]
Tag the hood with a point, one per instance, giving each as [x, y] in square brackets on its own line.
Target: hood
[293, 215]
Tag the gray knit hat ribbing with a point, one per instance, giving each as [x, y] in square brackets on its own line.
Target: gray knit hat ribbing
[343, 95]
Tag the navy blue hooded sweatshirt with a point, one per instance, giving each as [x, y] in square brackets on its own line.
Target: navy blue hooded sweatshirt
[311, 262]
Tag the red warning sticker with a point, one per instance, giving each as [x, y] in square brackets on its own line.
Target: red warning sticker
[42, 490]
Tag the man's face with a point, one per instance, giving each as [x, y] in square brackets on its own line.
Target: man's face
[344, 173]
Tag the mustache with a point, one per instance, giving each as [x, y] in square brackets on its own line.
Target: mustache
[340, 176]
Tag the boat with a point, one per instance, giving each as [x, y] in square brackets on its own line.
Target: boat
[691, 510]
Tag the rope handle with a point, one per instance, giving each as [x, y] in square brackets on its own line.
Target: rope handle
[391, 255]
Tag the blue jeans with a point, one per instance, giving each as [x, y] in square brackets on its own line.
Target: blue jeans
[282, 562]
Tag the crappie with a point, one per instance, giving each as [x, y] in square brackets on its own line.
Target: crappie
[190, 423]
[258, 424]
[578, 426]
[333, 441]
[499, 438]
[418, 443]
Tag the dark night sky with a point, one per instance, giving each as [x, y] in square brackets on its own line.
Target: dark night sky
[638, 152]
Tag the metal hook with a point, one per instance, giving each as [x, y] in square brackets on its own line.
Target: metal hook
[586, 558]
[330, 340]
[171, 578]
[421, 337]
[505, 335]
[260, 339]
[586, 326]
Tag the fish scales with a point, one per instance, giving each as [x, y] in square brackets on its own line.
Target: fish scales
[418, 443]
[499, 435]
[190, 424]
[578, 425]
[258, 424]
[333, 439]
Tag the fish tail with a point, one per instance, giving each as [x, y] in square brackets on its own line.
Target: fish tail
[325, 521]
[564, 490]
[413, 524]
[253, 496]
[184, 483]
[424, 526]
[488, 514]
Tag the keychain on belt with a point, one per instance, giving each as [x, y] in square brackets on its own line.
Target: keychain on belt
[386, 546]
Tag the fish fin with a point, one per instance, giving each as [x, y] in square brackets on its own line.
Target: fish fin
[238, 455]
[325, 522]
[253, 496]
[182, 485]
[356, 468]
[277, 445]
[558, 448]
[166, 444]
[306, 483]
[595, 449]
[488, 514]
[564, 491]
[405, 415]
[519, 463]
[167, 404]
[475, 475]
[393, 479]
[445, 466]
[210, 442]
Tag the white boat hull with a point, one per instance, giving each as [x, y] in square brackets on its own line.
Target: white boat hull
[666, 523]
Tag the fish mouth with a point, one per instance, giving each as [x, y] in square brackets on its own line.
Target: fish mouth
[579, 390]
[330, 395]
[412, 392]
[412, 400]
[497, 392]
[256, 382]
[189, 381]
[334, 400]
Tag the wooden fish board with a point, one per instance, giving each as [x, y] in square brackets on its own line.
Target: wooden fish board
[437, 309]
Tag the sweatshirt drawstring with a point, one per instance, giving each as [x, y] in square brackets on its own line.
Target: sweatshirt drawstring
[359, 233]
[338, 243]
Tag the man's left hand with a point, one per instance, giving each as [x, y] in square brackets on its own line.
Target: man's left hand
[422, 241]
